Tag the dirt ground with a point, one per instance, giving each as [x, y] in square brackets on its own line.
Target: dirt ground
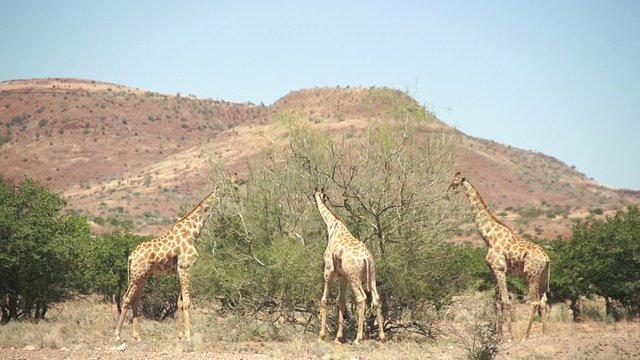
[585, 341]
[85, 331]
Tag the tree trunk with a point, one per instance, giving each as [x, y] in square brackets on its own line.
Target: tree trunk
[118, 300]
[27, 307]
[5, 314]
[13, 306]
[41, 309]
[575, 309]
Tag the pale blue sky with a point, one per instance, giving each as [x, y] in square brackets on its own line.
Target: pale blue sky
[559, 77]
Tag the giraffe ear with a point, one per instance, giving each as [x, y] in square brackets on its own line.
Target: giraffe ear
[463, 180]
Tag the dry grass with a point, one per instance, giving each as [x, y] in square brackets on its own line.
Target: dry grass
[84, 329]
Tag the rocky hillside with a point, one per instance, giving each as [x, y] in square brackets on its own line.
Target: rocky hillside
[127, 155]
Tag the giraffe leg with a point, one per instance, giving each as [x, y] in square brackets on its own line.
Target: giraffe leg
[186, 303]
[543, 310]
[497, 305]
[375, 302]
[361, 298]
[125, 308]
[136, 324]
[342, 305]
[534, 297]
[328, 279]
[532, 314]
[503, 294]
[180, 316]
[129, 301]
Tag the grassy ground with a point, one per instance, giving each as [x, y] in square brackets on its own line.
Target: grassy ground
[84, 330]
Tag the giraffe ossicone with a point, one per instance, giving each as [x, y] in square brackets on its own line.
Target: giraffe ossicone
[509, 255]
[173, 253]
[350, 259]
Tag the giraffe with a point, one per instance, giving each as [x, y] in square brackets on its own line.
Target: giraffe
[172, 253]
[234, 180]
[509, 255]
[350, 259]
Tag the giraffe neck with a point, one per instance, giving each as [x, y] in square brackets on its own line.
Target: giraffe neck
[484, 219]
[190, 226]
[331, 220]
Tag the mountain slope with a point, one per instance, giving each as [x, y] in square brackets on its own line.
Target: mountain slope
[123, 154]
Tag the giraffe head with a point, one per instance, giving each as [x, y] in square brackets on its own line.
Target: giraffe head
[458, 180]
[320, 196]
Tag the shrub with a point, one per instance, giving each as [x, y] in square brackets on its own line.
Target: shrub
[600, 259]
[37, 235]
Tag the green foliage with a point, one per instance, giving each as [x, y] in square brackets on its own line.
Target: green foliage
[47, 256]
[107, 270]
[601, 258]
[267, 260]
[476, 269]
[16, 119]
[39, 249]
[596, 211]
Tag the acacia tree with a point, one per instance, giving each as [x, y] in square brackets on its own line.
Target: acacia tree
[39, 248]
[258, 252]
[390, 188]
[386, 183]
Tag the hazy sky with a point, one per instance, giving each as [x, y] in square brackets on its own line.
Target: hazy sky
[559, 77]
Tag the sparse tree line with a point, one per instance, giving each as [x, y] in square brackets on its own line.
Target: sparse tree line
[48, 255]
[261, 252]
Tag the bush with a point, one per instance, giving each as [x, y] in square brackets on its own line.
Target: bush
[107, 269]
[478, 327]
[39, 249]
[159, 299]
[600, 259]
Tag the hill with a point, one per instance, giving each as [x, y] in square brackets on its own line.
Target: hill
[128, 155]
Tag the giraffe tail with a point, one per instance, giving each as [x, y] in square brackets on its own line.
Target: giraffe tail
[544, 299]
[548, 276]
[368, 263]
[128, 276]
[129, 269]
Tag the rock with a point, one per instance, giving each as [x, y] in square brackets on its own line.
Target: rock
[121, 347]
